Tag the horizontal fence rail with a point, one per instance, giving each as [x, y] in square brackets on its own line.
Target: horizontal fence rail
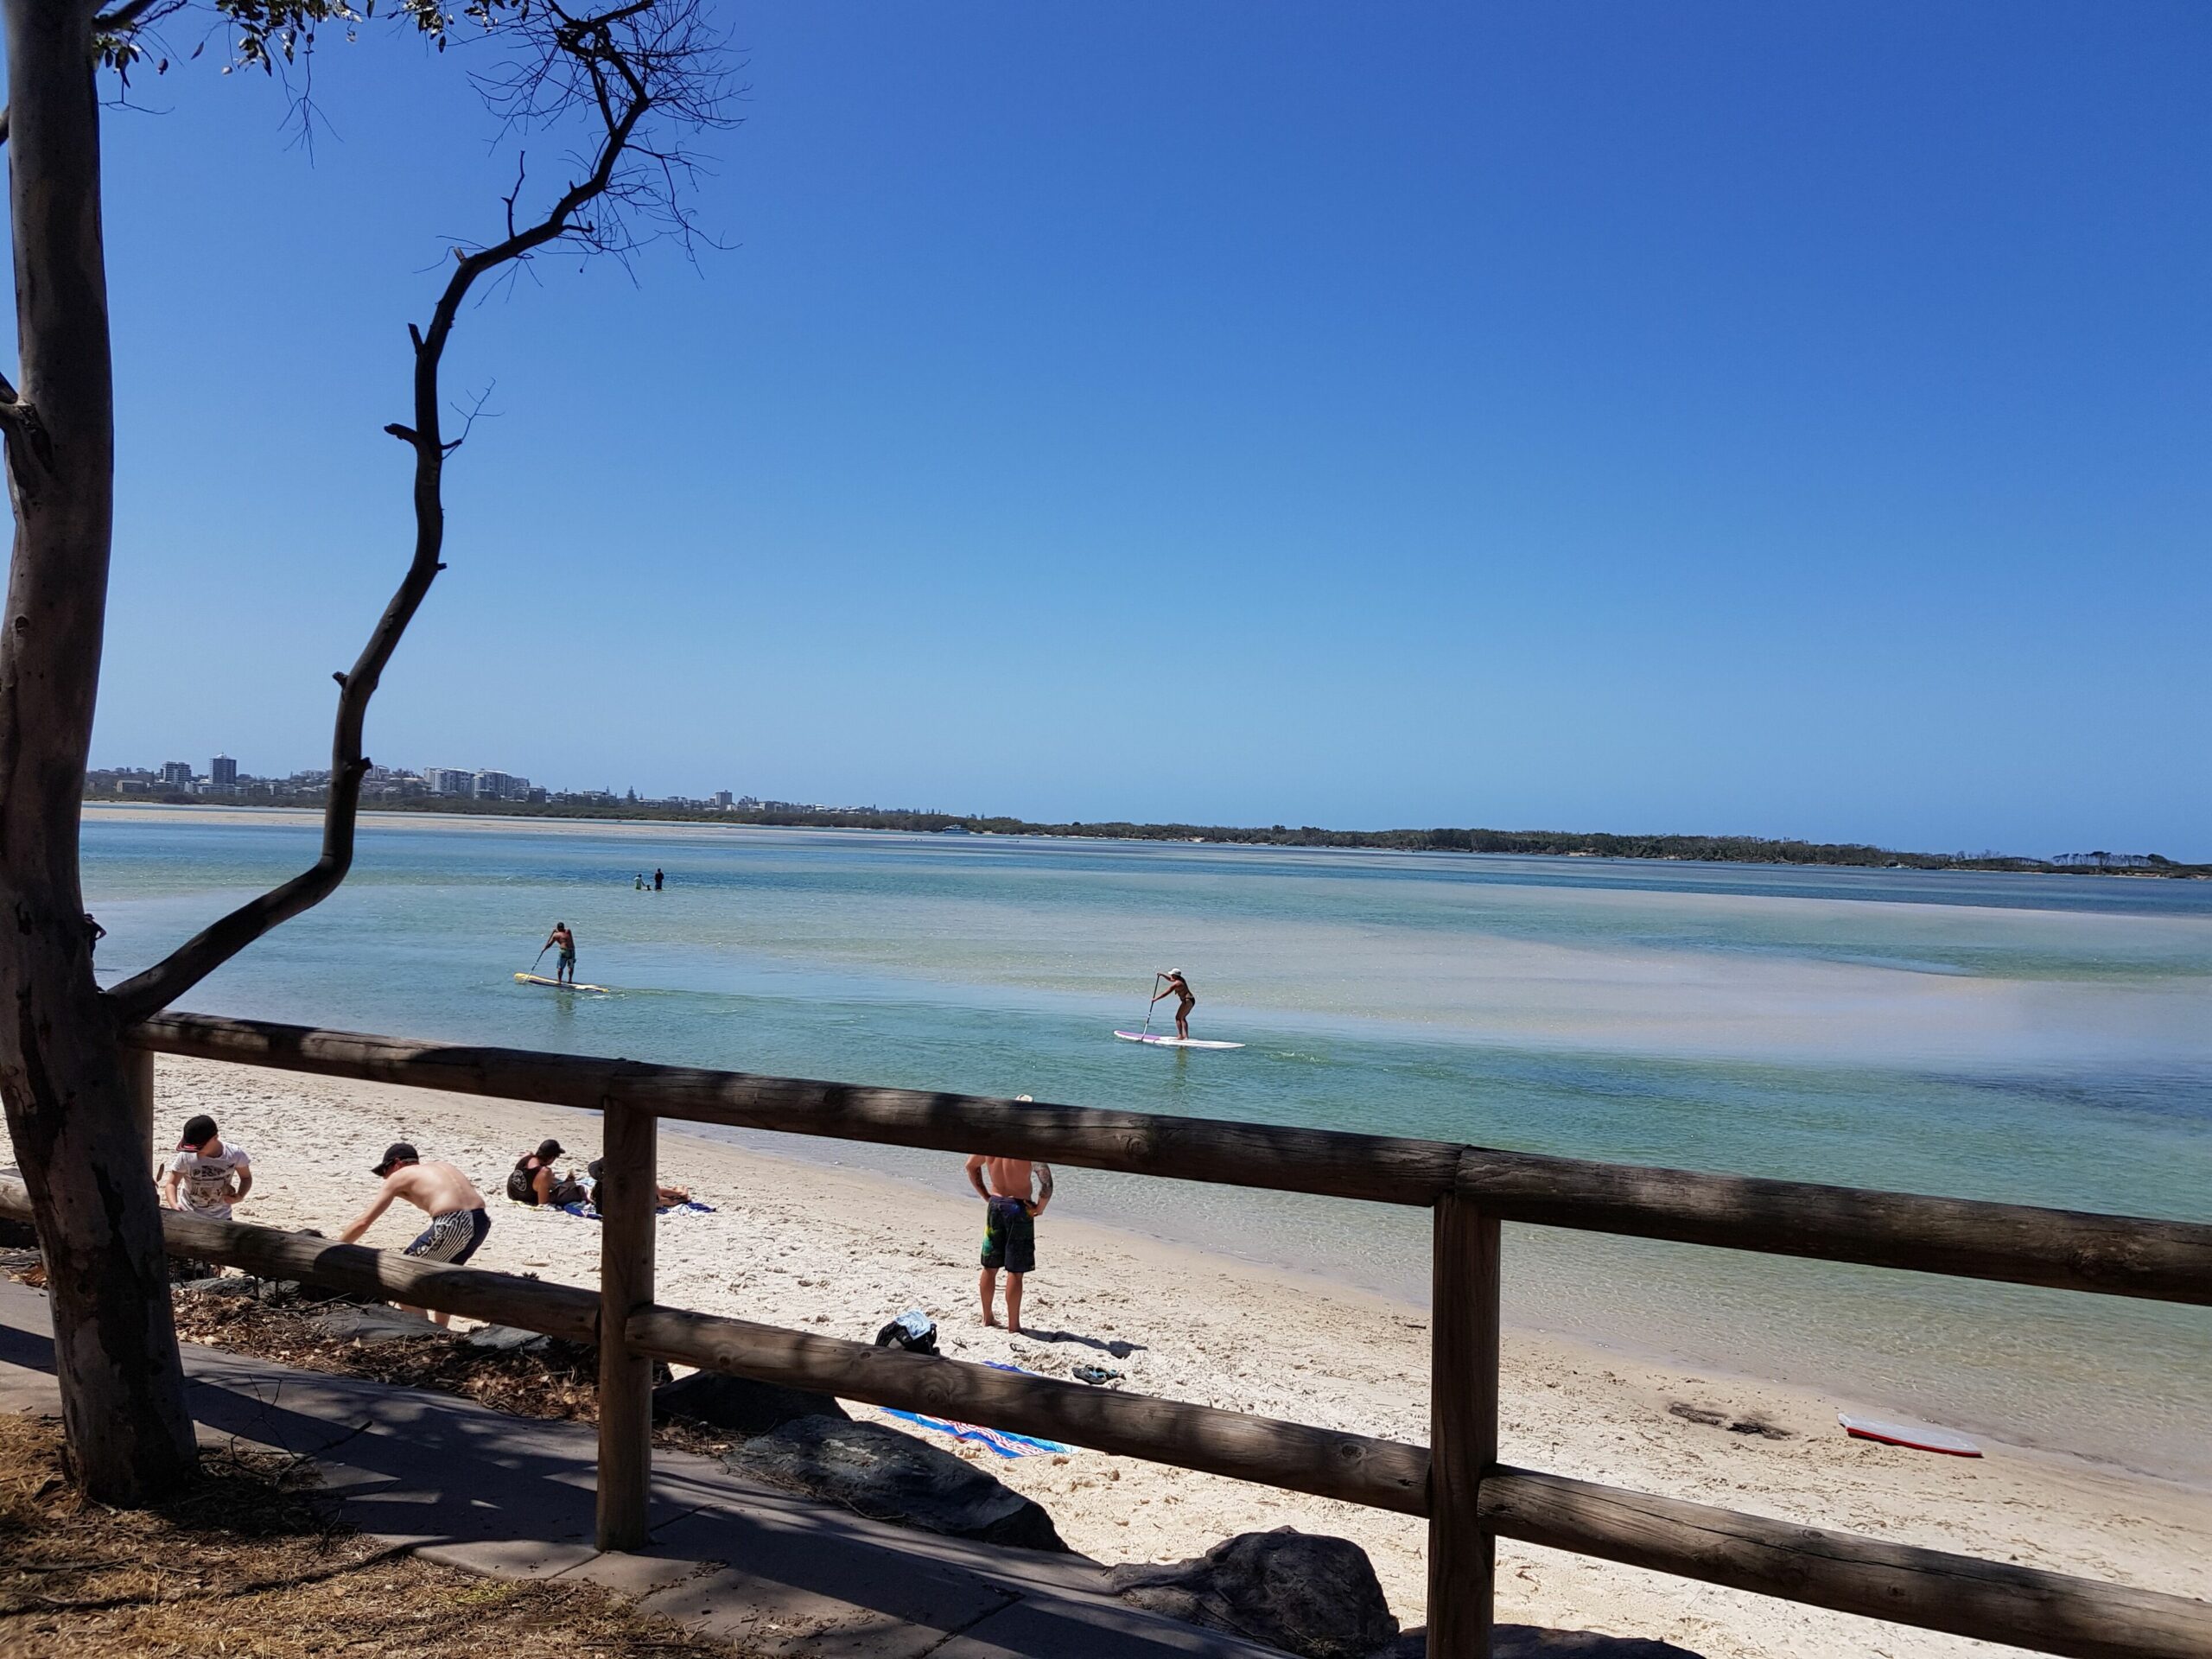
[1357, 1468]
[359, 1270]
[2119, 1255]
[2050, 1613]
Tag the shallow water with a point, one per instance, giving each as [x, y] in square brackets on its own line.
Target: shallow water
[2046, 1040]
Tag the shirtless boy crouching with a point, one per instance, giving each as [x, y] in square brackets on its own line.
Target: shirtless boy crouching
[459, 1221]
[1014, 1193]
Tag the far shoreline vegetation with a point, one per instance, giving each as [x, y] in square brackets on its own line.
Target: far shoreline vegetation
[1533, 843]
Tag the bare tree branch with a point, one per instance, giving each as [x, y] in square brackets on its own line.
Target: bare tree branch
[29, 447]
[647, 57]
[470, 415]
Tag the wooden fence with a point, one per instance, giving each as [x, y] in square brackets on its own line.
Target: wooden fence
[1468, 1498]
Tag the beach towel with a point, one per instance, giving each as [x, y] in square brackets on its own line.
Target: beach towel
[1002, 1442]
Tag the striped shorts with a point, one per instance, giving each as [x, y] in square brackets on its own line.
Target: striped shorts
[453, 1236]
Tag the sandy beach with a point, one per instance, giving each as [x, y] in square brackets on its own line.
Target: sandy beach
[811, 1245]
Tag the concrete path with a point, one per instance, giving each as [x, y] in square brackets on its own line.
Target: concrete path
[512, 1497]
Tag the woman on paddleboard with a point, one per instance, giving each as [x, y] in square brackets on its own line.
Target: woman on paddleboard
[1179, 988]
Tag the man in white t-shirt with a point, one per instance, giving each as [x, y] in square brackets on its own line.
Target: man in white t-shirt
[205, 1177]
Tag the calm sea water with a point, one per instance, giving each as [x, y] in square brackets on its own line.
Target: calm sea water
[2043, 1039]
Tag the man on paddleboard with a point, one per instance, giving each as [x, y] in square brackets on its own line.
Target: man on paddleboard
[565, 973]
[1179, 988]
[1015, 1192]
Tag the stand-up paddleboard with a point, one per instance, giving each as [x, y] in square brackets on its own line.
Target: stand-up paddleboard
[559, 985]
[1157, 1041]
[1919, 1436]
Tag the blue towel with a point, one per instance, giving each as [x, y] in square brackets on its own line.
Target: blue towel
[1002, 1442]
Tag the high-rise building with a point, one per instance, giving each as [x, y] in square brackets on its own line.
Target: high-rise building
[492, 786]
[449, 780]
[721, 799]
[222, 773]
[176, 774]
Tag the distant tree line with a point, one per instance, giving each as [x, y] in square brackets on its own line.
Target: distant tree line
[1542, 843]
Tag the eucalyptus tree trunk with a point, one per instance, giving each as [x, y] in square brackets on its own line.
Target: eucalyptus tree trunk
[62, 1076]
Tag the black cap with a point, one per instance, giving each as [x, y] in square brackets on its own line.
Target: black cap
[198, 1132]
[399, 1152]
[546, 1148]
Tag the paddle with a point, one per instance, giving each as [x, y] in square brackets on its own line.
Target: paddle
[1154, 1003]
[540, 956]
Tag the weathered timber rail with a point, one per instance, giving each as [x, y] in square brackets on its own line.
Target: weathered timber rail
[2117, 1255]
[1468, 1498]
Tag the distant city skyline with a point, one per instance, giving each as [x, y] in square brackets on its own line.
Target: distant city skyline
[1773, 420]
[390, 783]
[224, 777]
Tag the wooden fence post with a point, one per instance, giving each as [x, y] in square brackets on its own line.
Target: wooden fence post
[626, 1197]
[139, 1075]
[1463, 1427]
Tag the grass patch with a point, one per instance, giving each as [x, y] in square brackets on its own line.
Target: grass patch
[251, 1562]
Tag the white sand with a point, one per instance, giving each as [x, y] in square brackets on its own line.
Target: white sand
[808, 1245]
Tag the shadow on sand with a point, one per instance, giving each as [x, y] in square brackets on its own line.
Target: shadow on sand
[1119, 1350]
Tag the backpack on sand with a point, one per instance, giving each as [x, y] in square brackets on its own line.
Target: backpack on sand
[914, 1331]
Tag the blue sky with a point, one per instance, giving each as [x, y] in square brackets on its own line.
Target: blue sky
[1787, 420]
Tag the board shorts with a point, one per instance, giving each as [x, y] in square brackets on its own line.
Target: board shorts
[453, 1236]
[567, 959]
[1009, 1236]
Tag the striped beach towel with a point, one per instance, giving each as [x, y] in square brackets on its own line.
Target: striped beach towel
[1005, 1443]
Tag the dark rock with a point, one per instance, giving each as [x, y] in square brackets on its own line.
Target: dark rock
[555, 1353]
[1315, 1597]
[375, 1323]
[273, 1293]
[511, 1339]
[1533, 1641]
[887, 1476]
[299, 1290]
[18, 1235]
[739, 1404]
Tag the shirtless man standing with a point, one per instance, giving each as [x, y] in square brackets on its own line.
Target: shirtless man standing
[458, 1218]
[564, 972]
[1014, 1193]
[1179, 988]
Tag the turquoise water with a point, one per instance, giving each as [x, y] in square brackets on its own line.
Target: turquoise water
[2044, 1039]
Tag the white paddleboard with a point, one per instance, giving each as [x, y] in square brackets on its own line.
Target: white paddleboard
[558, 985]
[1171, 1042]
[1921, 1437]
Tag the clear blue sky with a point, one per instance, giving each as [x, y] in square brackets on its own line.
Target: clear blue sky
[1780, 419]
